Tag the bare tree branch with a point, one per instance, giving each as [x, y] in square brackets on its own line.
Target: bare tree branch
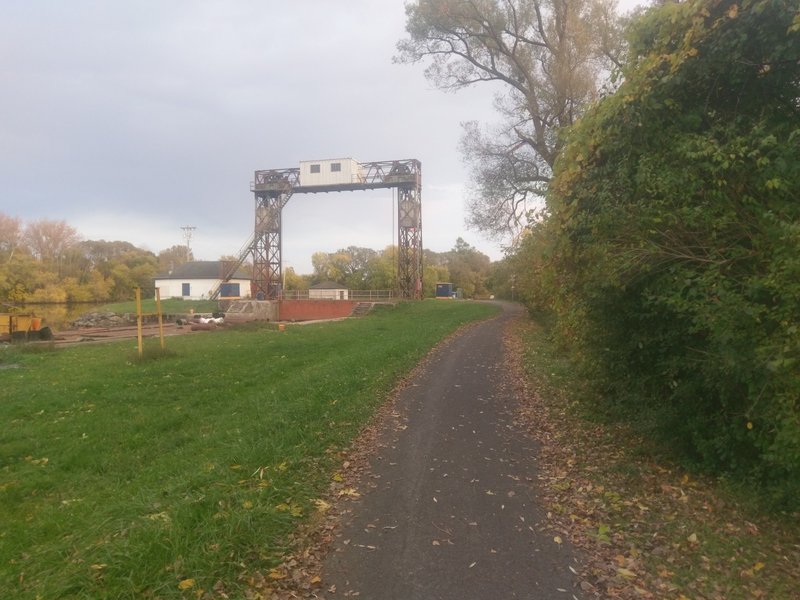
[550, 54]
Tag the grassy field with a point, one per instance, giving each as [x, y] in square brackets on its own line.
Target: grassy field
[165, 477]
[170, 306]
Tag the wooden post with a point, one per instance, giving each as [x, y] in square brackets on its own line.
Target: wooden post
[160, 319]
[139, 320]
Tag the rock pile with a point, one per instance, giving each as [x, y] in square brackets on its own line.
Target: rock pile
[101, 319]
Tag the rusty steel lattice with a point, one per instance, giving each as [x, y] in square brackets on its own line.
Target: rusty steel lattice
[273, 188]
[266, 245]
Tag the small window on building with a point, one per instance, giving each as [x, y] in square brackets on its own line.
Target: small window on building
[186, 289]
[336, 167]
[315, 168]
[229, 290]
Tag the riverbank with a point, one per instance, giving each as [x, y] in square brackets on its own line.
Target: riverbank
[61, 316]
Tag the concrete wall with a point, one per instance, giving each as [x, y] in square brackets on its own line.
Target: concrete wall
[239, 311]
[310, 310]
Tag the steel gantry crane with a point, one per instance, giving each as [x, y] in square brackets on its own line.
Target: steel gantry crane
[274, 187]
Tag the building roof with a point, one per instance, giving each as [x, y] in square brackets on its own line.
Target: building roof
[203, 269]
[328, 285]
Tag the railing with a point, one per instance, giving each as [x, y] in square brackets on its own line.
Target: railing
[372, 295]
[360, 295]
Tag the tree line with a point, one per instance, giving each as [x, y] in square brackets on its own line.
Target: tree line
[47, 261]
[359, 268]
[645, 176]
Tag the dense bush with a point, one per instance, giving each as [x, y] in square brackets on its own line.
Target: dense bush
[675, 215]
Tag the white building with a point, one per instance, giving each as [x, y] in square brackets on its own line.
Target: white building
[328, 290]
[331, 171]
[199, 279]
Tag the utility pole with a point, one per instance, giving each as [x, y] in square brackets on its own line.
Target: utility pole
[188, 230]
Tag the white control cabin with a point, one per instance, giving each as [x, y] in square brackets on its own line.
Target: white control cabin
[331, 171]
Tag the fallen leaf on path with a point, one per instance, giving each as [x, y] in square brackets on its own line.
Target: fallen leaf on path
[321, 505]
[277, 574]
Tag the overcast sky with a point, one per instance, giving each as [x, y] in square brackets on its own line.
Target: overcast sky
[130, 119]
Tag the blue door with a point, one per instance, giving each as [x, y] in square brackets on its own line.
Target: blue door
[185, 290]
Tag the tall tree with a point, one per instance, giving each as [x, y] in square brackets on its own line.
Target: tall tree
[295, 282]
[88, 256]
[468, 268]
[174, 256]
[548, 56]
[135, 268]
[49, 241]
[100, 252]
[10, 236]
[349, 266]
[382, 270]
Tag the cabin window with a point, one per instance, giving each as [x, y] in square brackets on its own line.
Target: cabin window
[315, 168]
[336, 167]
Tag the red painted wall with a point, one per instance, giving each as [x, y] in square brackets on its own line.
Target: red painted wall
[309, 310]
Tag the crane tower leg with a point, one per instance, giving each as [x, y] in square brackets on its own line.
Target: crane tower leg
[267, 268]
[409, 257]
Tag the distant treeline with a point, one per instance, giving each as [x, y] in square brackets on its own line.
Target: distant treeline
[47, 261]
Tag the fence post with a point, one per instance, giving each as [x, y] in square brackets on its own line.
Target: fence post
[160, 318]
[139, 320]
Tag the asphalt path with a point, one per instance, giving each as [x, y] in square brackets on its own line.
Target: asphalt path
[450, 511]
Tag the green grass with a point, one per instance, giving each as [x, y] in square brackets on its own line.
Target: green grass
[121, 478]
[168, 306]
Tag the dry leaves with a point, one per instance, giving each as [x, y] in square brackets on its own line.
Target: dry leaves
[644, 530]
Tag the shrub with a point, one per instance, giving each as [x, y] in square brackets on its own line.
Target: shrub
[675, 270]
